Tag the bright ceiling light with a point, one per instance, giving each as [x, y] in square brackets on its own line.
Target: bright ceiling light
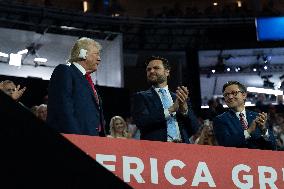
[40, 60]
[4, 55]
[239, 3]
[15, 59]
[25, 51]
[85, 6]
[265, 91]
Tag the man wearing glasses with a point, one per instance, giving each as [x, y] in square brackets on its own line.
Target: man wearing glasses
[239, 127]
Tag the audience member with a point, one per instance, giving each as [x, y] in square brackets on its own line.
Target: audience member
[211, 112]
[74, 105]
[42, 112]
[34, 109]
[12, 90]
[280, 105]
[132, 128]
[240, 127]
[260, 105]
[207, 136]
[118, 128]
[219, 107]
[160, 114]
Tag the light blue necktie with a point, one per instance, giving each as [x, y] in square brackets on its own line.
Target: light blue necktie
[171, 129]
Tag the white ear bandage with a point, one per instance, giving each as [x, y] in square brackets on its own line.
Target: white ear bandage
[83, 54]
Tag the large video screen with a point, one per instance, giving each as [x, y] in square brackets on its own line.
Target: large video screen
[270, 28]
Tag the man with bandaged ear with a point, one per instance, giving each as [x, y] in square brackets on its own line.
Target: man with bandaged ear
[74, 105]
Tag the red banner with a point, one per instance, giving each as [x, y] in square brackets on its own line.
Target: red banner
[147, 164]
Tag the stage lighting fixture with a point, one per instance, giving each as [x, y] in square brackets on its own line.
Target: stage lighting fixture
[4, 57]
[15, 59]
[265, 67]
[239, 3]
[39, 61]
[25, 51]
[264, 91]
[237, 69]
[86, 6]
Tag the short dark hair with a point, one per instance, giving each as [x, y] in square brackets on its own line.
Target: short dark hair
[165, 62]
[242, 87]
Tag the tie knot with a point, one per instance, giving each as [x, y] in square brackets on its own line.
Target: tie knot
[88, 76]
[163, 91]
[242, 115]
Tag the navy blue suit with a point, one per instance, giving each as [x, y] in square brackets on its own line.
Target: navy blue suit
[148, 114]
[72, 106]
[229, 132]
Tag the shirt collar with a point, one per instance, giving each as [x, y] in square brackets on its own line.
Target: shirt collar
[80, 68]
[238, 113]
[157, 88]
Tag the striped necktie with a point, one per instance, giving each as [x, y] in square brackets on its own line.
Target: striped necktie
[243, 122]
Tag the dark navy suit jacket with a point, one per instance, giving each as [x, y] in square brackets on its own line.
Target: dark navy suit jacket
[72, 107]
[229, 132]
[148, 114]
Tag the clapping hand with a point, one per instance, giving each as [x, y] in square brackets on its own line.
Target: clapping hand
[182, 97]
[17, 93]
[259, 121]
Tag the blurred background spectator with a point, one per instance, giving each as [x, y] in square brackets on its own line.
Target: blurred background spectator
[118, 128]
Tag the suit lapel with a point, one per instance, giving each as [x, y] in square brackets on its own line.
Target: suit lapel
[154, 98]
[235, 120]
[250, 117]
[86, 84]
[174, 96]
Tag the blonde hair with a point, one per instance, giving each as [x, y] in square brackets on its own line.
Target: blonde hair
[112, 129]
[82, 43]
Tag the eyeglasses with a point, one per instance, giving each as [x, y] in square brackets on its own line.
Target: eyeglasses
[234, 93]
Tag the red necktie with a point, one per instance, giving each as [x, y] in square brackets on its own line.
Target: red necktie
[88, 77]
[243, 122]
[90, 81]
